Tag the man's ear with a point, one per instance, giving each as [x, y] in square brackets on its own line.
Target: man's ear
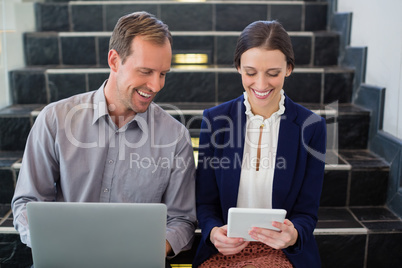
[113, 60]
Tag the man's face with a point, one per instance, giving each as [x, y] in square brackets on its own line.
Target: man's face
[142, 75]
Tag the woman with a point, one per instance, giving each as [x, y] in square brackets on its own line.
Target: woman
[260, 150]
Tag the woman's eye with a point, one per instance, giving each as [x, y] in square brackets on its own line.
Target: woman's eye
[250, 74]
[273, 75]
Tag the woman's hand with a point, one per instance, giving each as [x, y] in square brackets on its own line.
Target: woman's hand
[287, 236]
[224, 244]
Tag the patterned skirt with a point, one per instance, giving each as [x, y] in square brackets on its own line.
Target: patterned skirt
[256, 254]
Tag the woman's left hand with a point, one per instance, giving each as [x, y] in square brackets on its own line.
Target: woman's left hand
[287, 236]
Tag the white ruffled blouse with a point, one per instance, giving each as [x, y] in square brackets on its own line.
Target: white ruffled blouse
[257, 173]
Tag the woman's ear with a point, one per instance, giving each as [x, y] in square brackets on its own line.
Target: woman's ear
[288, 71]
[238, 69]
[113, 60]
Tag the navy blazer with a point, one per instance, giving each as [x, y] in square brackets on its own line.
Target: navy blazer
[298, 176]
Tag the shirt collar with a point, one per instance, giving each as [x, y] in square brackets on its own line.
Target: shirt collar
[101, 110]
[99, 104]
[275, 116]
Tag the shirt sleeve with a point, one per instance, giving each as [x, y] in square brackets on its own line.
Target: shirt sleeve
[38, 173]
[180, 197]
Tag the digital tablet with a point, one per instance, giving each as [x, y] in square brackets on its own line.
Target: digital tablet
[241, 220]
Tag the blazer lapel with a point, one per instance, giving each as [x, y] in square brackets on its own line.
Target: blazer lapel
[286, 156]
[234, 152]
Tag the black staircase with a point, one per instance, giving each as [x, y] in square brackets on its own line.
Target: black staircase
[68, 55]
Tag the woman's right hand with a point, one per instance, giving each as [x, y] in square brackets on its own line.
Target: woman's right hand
[224, 244]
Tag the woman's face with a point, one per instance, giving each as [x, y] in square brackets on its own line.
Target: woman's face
[263, 74]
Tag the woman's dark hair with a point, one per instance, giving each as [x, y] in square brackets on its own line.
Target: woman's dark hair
[265, 34]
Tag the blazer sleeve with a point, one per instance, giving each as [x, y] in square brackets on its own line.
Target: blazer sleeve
[304, 211]
[209, 213]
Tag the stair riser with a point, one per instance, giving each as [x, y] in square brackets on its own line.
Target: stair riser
[61, 49]
[295, 16]
[304, 85]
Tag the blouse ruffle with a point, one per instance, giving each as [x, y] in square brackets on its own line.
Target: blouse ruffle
[274, 117]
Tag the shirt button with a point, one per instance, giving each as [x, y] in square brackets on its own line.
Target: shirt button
[106, 190]
[111, 161]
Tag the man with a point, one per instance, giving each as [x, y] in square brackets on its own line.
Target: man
[115, 144]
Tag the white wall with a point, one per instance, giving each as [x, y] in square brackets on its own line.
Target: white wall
[377, 25]
[16, 17]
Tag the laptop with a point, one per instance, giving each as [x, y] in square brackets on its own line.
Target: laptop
[65, 234]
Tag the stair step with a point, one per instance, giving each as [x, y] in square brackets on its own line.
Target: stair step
[349, 182]
[341, 231]
[200, 84]
[347, 124]
[52, 48]
[195, 16]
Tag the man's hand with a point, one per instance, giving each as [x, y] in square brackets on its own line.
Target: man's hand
[168, 248]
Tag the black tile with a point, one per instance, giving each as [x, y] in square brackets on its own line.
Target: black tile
[334, 189]
[362, 155]
[103, 48]
[65, 85]
[373, 214]
[351, 224]
[41, 49]
[8, 223]
[14, 132]
[302, 49]
[326, 49]
[4, 209]
[383, 226]
[341, 250]
[334, 214]
[114, 12]
[87, 18]
[290, 16]
[304, 87]
[194, 44]
[353, 131]
[188, 87]
[191, 122]
[28, 86]
[226, 46]
[13, 252]
[6, 186]
[187, 17]
[52, 17]
[229, 86]
[338, 87]
[235, 17]
[95, 80]
[315, 17]
[78, 50]
[384, 250]
[368, 188]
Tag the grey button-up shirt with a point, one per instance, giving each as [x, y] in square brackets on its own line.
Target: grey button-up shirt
[75, 153]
